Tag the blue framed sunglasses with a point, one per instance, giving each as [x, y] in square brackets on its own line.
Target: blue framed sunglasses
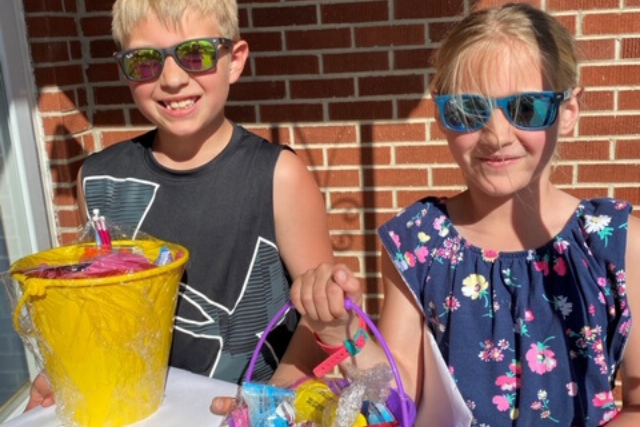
[526, 110]
[194, 56]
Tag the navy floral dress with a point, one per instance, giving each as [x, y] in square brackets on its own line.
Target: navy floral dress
[531, 338]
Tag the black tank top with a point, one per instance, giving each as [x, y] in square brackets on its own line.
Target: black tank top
[222, 212]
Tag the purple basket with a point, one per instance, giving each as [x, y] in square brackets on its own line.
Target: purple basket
[401, 405]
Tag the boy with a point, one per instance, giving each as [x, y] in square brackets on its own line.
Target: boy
[249, 212]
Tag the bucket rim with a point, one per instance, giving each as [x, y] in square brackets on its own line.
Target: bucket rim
[103, 281]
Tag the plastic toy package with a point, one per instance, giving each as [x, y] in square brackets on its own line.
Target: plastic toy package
[360, 400]
[98, 316]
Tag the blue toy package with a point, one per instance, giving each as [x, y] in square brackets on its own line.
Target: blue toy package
[268, 406]
[376, 413]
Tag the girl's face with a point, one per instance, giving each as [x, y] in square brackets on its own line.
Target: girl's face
[499, 159]
[183, 104]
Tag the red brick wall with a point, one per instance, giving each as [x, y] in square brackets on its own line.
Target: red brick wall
[344, 83]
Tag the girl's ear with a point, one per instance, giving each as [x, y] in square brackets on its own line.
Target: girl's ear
[569, 112]
[238, 57]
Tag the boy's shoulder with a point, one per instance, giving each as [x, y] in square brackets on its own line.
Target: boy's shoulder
[122, 153]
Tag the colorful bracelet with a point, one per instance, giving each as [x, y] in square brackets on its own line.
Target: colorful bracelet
[338, 353]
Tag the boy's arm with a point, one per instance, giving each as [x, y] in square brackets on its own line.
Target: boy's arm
[302, 235]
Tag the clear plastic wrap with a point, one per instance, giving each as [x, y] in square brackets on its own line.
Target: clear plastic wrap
[98, 318]
[358, 401]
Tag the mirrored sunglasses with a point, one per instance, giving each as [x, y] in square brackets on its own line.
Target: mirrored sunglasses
[526, 111]
[193, 56]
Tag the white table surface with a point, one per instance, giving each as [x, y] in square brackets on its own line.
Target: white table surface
[186, 403]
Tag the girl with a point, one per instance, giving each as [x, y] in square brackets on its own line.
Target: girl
[522, 286]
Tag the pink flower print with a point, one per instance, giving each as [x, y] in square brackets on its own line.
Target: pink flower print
[490, 255]
[502, 403]
[620, 205]
[589, 333]
[602, 399]
[484, 356]
[542, 266]
[608, 416]
[598, 346]
[451, 303]
[592, 309]
[395, 238]
[422, 253]
[625, 328]
[515, 367]
[572, 389]
[508, 382]
[622, 289]
[560, 267]
[437, 223]
[560, 246]
[410, 259]
[536, 406]
[496, 354]
[541, 359]
[602, 281]
[528, 316]
[621, 276]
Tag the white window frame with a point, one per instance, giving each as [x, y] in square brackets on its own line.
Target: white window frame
[25, 161]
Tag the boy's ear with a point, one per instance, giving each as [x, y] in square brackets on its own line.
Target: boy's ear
[237, 58]
[569, 112]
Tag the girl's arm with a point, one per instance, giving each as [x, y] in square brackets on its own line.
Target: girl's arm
[630, 415]
[402, 326]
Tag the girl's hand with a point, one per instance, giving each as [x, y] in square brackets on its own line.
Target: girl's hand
[319, 296]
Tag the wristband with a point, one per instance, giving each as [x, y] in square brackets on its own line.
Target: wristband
[338, 353]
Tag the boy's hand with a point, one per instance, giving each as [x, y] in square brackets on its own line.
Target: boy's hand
[40, 394]
[319, 296]
[222, 405]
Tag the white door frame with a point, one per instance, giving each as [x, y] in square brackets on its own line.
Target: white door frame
[22, 160]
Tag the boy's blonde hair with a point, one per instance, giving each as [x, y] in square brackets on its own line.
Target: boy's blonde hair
[483, 38]
[128, 13]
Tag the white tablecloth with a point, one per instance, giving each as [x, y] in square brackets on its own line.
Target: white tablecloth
[186, 403]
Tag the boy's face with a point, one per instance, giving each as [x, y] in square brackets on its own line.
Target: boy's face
[183, 104]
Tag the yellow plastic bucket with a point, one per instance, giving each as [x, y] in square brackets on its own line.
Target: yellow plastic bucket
[104, 342]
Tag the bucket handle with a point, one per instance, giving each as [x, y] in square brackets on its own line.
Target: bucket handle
[36, 288]
[349, 305]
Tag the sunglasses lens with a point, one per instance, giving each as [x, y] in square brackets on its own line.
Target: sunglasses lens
[466, 113]
[142, 64]
[532, 111]
[197, 55]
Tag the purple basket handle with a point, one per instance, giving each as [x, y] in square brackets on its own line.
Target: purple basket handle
[405, 400]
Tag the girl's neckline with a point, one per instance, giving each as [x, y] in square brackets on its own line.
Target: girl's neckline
[440, 203]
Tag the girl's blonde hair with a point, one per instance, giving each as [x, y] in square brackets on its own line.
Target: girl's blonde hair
[482, 37]
[128, 13]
